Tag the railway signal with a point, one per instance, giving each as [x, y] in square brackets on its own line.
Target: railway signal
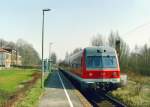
[117, 46]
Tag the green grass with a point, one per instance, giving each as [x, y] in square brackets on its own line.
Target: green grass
[31, 100]
[11, 79]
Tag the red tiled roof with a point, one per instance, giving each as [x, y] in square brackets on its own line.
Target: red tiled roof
[3, 50]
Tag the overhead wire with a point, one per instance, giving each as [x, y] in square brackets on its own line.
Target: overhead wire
[136, 28]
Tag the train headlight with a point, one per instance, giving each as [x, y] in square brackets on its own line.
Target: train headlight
[103, 74]
[114, 74]
[90, 74]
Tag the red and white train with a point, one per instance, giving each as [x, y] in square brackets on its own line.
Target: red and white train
[95, 67]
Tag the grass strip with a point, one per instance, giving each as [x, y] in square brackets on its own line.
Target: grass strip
[32, 96]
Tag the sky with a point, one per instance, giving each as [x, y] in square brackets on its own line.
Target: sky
[72, 23]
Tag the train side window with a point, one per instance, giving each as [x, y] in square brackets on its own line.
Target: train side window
[74, 65]
[78, 65]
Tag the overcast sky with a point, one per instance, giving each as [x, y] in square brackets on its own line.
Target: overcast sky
[72, 23]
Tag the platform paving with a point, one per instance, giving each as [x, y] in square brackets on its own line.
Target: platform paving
[56, 96]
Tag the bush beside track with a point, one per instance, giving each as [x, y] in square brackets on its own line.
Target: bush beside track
[136, 93]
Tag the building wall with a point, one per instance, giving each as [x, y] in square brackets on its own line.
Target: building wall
[9, 58]
[5, 59]
[2, 59]
[19, 62]
[13, 58]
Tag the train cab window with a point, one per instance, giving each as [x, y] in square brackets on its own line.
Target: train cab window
[109, 62]
[94, 61]
[101, 62]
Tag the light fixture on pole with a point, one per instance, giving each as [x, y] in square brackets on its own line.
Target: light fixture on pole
[42, 77]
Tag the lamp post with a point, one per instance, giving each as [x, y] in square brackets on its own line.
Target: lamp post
[42, 77]
[50, 61]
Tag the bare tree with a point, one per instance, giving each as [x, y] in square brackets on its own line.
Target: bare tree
[28, 53]
[98, 40]
[112, 39]
[77, 50]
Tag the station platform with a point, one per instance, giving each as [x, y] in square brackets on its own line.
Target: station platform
[59, 92]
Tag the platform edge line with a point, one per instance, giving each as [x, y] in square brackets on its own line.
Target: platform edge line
[71, 105]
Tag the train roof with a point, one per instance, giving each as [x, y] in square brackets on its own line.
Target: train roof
[100, 49]
[93, 49]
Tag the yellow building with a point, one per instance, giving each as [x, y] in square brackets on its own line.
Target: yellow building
[9, 57]
[5, 58]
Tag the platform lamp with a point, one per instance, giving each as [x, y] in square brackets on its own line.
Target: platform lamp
[42, 77]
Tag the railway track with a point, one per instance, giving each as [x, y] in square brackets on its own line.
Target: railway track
[97, 98]
[115, 101]
[101, 99]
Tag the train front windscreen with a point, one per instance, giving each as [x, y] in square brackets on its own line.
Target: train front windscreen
[100, 62]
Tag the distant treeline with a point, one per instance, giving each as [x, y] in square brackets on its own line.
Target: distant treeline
[139, 60]
[29, 55]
